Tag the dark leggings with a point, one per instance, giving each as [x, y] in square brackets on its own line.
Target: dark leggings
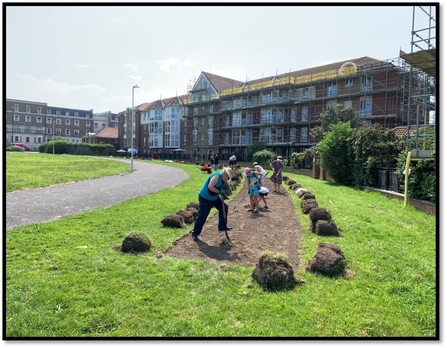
[205, 206]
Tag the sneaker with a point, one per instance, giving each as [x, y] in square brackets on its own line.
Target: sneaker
[194, 237]
[256, 211]
[228, 229]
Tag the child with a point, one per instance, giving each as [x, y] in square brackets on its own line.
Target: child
[253, 190]
[263, 192]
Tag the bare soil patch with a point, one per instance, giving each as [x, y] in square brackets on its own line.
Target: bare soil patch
[276, 229]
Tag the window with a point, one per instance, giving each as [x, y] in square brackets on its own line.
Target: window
[67, 122]
[332, 89]
[306, 93]
[104, 125]
[293, 114]
[39, 110]
[27, 119]
[17, 118]
[26, 139]
[49, 120]
[16, 107]
[349, 83]
[87, 124]
[347, 104]
[196, 110]
[28, 108]
[67, 132]
[210, 138]
[210, 124]
[76, 113]
[49, 111]
[87, 114]
[58, 121]
[76, 132]
[365, 106]
[58, 112]
[48, 130]
[76, 123]
[331, 103]
[304, 114]
[304, 135]
[292, 134]
[39, 120]
[202, 121]
[367, 83]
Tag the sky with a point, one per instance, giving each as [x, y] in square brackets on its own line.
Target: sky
[90, 57]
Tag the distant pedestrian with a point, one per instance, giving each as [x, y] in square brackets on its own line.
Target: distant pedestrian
[216, 161]
[212, 160]
[276, 178]
[253, 189]
[232, 161]
[209, 197]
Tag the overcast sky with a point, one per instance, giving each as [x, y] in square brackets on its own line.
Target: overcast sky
[89, 57]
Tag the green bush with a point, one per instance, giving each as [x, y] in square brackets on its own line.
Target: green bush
[336, 153]
[307, 156]
[64, 147]
[264, 157]
[422, 179]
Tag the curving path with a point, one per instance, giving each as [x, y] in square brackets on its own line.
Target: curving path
[47, 203]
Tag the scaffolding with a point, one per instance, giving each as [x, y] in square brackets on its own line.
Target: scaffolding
[422, 94]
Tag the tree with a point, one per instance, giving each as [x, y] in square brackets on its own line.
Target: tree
[253, 148]
[334, 115]
[373, 147]
[336, 153]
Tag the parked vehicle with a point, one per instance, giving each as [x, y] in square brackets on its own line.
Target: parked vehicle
[23, 146]
[17, 148]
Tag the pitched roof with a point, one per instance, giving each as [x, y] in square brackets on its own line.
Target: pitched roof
[108, 132]
[176, 101]
[321, 68]
[221, 83]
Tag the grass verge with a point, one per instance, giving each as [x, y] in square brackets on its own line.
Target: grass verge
[65, 279]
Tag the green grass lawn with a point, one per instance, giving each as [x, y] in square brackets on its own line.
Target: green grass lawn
[65, 278]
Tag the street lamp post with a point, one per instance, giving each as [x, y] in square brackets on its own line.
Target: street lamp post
[53, 135]
[12, 119]
[132, 130]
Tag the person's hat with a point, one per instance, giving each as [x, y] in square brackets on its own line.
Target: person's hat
[255, 163]
[279, 157]
[228, 171]
[247, 170]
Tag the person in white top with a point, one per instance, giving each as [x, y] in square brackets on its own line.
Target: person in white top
[261, 173]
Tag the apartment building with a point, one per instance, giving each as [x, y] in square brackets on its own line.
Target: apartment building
[225, 116]
[33, 123]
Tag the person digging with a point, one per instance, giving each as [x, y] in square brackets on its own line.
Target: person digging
[253, 190]
[208, 198]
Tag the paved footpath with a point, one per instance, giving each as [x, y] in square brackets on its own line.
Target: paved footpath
[48, 203]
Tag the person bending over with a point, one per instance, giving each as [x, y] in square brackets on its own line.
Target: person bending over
[209, 197]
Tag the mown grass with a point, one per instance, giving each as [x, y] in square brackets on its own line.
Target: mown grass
[65, 279]
[31, 170]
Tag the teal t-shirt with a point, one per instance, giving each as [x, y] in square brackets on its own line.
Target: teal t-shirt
[206, 193]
